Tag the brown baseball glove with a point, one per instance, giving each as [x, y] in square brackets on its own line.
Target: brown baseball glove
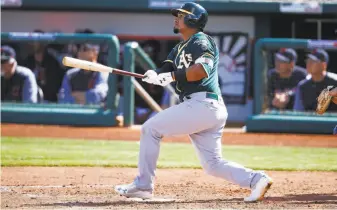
[323, 100]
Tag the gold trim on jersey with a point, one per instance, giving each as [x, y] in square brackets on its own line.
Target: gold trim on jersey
[180, 48]
[207, 54]
[168, 61]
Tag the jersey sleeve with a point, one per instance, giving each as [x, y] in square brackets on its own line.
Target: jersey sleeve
[30, 89]
[298, 104]
[171, 56]
[100, 90]
[203, 53]
[64, 95]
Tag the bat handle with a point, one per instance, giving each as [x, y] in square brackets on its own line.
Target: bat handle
[117, 71]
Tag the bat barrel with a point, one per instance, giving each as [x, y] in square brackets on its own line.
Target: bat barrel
[91, 66]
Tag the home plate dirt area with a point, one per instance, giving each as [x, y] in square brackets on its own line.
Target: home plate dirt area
[92, 187]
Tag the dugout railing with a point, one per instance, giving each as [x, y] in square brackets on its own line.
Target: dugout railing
[133, 54]
[285, 121]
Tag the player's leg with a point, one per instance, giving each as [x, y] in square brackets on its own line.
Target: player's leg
[181, 119]
[188, 117]
[208, 146]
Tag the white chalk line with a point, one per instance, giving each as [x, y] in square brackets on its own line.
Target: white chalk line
[8, 187]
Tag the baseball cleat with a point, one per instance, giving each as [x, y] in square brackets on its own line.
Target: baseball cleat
[259, 189]
[131, 191]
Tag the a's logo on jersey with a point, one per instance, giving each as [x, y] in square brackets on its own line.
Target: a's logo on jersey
[184, 60]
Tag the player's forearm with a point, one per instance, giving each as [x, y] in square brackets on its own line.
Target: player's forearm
[195, 72]
[30, 91]
[166, 67]
[96, 95]
[333, 92]
[298, 104]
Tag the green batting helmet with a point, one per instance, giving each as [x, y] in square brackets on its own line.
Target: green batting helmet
[196, 15]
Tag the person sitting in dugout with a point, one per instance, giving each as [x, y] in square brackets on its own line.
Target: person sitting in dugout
[283, 79]
[309, 89]
[84, 87]
[18, 83]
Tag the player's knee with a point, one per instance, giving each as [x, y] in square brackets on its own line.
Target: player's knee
[145, 128]
[149, 128]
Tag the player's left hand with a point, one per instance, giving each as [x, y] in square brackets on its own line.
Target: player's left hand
[164, 79]
[150, 76]
[280, 100]
[324, 99]
[79, 97]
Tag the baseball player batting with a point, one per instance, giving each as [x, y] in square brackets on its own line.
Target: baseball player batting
[202, 114]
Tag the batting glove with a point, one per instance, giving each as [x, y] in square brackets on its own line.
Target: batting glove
[150, 76]
[164, 79]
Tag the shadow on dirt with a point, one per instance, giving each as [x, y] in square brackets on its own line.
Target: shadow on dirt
[290, 198]
[307, 198]
[128, 202]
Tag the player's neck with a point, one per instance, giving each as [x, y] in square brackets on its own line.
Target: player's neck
[187, 34]
[285, 75]
[318, 77]
[12, 72]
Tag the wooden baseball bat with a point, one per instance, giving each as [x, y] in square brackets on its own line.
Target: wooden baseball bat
[91, 66]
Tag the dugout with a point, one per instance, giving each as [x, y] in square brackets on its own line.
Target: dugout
[66, 114]
[85, 115]
[265, 120]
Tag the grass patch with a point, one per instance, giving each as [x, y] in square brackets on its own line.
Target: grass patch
[61, 152]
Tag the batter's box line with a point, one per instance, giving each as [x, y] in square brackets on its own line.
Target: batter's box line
[8, 187]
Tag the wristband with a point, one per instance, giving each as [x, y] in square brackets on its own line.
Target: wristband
[180, 76]
[166, 67]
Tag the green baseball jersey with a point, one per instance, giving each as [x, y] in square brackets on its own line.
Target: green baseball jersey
[200, 48]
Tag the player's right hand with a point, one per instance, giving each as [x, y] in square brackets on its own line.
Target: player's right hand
[150, 76]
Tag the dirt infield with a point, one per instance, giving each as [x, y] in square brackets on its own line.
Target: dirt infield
[92, 188]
